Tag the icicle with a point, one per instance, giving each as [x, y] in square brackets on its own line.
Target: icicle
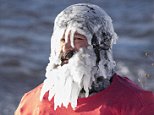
[57, 97]
[67, 32]
[44, 89]
[74, 95]
[51, 94]
[86, 81]
[67, 92]
[73, 30]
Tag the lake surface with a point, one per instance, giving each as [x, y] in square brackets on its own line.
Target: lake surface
[26, 28]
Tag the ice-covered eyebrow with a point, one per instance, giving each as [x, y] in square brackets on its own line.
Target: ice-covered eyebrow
[77, 35]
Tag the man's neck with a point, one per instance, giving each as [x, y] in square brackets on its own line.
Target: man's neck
[98, 85]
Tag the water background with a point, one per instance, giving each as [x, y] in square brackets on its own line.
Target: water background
[25, 30]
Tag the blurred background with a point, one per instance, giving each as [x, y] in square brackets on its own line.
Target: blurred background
[26, 28]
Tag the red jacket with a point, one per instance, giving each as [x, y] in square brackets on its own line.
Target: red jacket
[122, 97]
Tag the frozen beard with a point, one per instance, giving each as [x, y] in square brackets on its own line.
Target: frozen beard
[64, 83]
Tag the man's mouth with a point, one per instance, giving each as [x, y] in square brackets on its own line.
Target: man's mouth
[64, 61]
[65, 57]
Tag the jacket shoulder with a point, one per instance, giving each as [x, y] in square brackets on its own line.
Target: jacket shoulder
[147, 110]
[137, 93]
[29, 102]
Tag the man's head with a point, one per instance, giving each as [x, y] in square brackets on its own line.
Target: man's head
[87, 20]
[81, 56]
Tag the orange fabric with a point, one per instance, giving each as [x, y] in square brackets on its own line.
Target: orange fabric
[122, 97]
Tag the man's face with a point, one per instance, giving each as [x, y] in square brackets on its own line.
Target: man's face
[67, 51]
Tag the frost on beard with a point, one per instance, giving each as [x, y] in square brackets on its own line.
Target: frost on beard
[65, 82]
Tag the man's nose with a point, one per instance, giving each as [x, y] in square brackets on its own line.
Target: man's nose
[67, 47]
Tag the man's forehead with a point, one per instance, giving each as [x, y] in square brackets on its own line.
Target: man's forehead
[76, 35]
[79, 35]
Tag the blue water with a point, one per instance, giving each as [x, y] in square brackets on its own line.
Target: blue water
[26, 28]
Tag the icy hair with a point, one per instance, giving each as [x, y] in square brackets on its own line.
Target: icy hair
[89, 20]
[92, 22]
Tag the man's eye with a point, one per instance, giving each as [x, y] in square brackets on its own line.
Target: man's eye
[78, 39]
[62, 40]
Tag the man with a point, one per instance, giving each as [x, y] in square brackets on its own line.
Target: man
[80, 77]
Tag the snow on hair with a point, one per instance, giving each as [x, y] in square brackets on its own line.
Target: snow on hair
[86, 19]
